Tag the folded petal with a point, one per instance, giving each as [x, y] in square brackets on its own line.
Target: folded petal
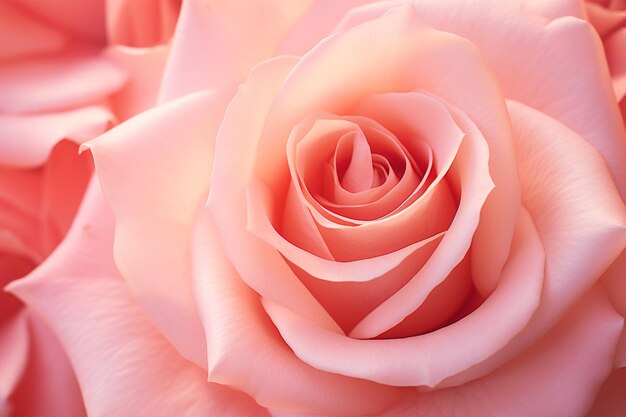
[579, 214]
[27, 140]
[246, 352]
[155, 172]
[60, 82]
[217, 43]
[559, 376]
[123, 364]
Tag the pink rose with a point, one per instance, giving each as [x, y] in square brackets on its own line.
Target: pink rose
[406, 208]
[61, 83]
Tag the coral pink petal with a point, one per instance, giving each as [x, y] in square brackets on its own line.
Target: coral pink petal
[468, 173]
[84, 19]
[141, 24]
[27, 140]
[236, 144]
[558, 376]
[23, 35]
[216, 44]
[124, 365]
[615, 47]
[326, 269]
[145, 69]
[381, 63]
[580, 217]
[166, 153]
[428, 359]
[14, 346]
[566, 53]
[58, 83]
[615, 285]
[56, 396]
[246, 351]
[65, 178]
[610, 399]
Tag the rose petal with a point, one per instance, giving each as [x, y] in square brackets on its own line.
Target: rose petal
[428, 359]
[216, 44]
[166, 153]
[145, 69]
[124, 365]
[615, 47]
[610, 399]
[554, 64]
[385, 64]
[83, 19]
[246, 352]
[579, 215]
[253, 259]
[141, 24]
[58, 83]
[22, 35]
[55, 396]
[27, 140]
[558, 376]
[14, 346]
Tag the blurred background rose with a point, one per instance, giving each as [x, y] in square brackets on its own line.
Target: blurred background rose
[69, 70]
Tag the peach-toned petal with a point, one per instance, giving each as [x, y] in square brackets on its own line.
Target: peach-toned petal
[145, 69]
[469, 174]
[22, 35]
[217, 43]
[430, 358]
[58, 83]
[166, 153]
[246, 352]
[253, 259]
[547, 65]
[580, 218]
[142, 24]
[123, 364]
[382, 55]
[317, 23]
[27, 140]
[558, 376]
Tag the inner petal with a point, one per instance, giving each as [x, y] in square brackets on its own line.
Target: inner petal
[353, 162]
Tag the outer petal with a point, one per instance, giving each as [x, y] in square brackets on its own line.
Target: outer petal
[547, 65]
[145, 23]
[22, 35]
[559, 376]
[14, 346]
[155, 171]
[27, 140]
[580, 217]
[145, 70]
[79, 19]
[48, 377]
[217, 43]
[58, 83]
[124, 366]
